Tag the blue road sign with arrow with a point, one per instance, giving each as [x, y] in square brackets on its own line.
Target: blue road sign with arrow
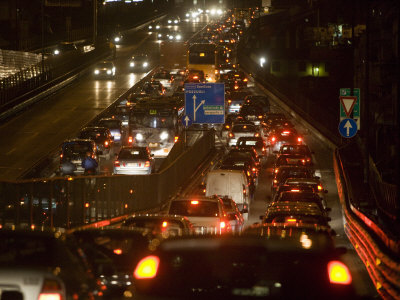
[348, 128]
[205, 103]
[186, 121]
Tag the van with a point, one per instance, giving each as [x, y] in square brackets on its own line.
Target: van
[231, 183]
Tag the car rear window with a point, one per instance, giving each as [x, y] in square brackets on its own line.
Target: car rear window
[244, 128]
[132, 154]
[114, 124]
[194, 209]
[77, 148]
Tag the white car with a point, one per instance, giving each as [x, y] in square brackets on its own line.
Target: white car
[104, 69]
[242, 130]
[134, 161]
[207, 214]
[30, 284]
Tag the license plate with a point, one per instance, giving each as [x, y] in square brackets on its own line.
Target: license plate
[153, 145]
[132, 164]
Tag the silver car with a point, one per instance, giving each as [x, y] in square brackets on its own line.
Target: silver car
[134, 161]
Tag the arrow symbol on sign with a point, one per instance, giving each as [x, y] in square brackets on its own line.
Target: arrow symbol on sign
[348, 126]
[196, 108]
[187, 121]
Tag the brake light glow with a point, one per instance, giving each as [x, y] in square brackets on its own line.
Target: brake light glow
[285, 132]
[244, 192]
[236, 87]
[51, 290]
[176, 138]
[106, 143]
[222, 224]
[339, 273]
[147, 267]
[147, 164]
[231, 135]
[257, 134]
[273, 139]
[164, 224]
[260, 117]
[295, 190]
[291, 220]
[130, 140]
[320, 188]
[117, 251]
[299, 139]
[276, 171]
[194, 202]
[116, 163]
[254, 169]
[245, 80]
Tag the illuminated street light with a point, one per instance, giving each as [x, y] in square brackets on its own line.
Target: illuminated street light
[262, 62]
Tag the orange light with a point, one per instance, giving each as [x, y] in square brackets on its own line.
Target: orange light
[204, 191]
[86, 204]
[117, 251]
[291, 220]
[257, 134]
[106, 143]
[260, 117]
[222, 225]
[147, 267]
[194, 202]
[275, 181]
[254, 169]
[147, 164]
[176, 139]
[164, 224]
[339, 273]
[32, 226]
[130, 140]
[50, 296]
[116, 163]
[245, 80]
[276, 171]
[273, 139]
[295, 190]
[320, 188]
[229, 101]
[244, 191]
[299, 139]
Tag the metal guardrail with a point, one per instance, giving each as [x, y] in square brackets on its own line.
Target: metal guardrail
[383, 269]
[75, 201]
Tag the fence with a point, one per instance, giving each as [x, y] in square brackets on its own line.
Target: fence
[74, 201]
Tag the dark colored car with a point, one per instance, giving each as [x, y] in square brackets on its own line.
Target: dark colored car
[51, 251]
[287, 171]
[75, 150]
[296, 149]
[256, 143]
[115, 127]
[250, 266]
[139, 63]
[101, 136]
[113, 253]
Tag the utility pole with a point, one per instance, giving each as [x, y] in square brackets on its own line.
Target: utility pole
[94, 21]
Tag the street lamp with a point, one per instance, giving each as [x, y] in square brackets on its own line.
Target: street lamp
[262, 61]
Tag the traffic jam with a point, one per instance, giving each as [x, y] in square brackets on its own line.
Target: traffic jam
[204, 243]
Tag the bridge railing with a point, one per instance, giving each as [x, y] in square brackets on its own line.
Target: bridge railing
[75, 201]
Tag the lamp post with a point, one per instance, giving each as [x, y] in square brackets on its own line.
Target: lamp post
[94, 21]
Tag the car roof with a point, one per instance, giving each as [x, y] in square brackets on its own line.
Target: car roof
[294, 208]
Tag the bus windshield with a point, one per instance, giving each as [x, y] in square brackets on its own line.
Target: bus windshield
[155, 120]
[201, 57]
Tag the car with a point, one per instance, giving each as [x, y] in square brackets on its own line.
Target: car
[151, 89]
[281, 136]
[289, 171]
[302, 196]
[154, 26]
[175, 36]
[296, 212]
[115, 127]
[257, 143]
[195, 76]
[257, 265]
[113, 254]
[75, 150]
[242, 130]
[44, 264]
[167, 225]
[314, 183]
[245, 153]
[289, 159]
[207, 214]
[252, 113]
[258, 100]
[239, 77]
[235, 216]
[65, 47]
[101, 136]
[163, 34]
[104, 69]
[117, 37]
[122, 113]
[134, 160]
[235, 100]
[164, 77]
[302, 149]
[139, 62]
[173, 20]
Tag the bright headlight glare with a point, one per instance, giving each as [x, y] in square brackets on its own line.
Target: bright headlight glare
[178, 37]
[145, 64]
[164, 135]
[56, 52]
[109, 71]
[132, 64]
[117, 39]
[139, 137]
[96, 71]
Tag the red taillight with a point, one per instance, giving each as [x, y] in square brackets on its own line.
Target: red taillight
[273, 139]
[285, 132]
[106, 143]
[299, 139]
[147, 267]
[61, 155]
[176, 138]
[260, 117]
[116, 163]
[295, 190]
[244, 192]
[222, 224]
[245, 80]
[339, 273]
[320, 188]
[130, 140]
[147, 164]
[231, 135]
[51, 290]
[194, 202]
[117, 251]
[236, 87]
[256, 134]
[254, 169]
[164, 224]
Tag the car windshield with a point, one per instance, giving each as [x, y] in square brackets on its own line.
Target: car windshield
[105, 65]
[294, 149]
[114, 124]
[194, 208]
[133, 154]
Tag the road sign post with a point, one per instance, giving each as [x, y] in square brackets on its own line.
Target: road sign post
[205, 103]
[348, 128]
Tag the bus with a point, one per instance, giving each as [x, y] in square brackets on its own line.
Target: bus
[155, 123]
[203, 57]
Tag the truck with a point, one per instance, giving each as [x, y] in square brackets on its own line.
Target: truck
[173, 54]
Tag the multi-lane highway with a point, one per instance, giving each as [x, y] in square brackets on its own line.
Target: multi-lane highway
[38, 131]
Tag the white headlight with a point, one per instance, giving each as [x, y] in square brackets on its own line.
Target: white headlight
[117, 39]
[96, 71]
[132, 64]
[139, 137]
[178, 37]
[169, 21]
[56, 52]
[150, 27]
[176, 21]
[164, 135]
[145, 64]
[171, 37]
[159, 35]
[158, 27]
[109, 72]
